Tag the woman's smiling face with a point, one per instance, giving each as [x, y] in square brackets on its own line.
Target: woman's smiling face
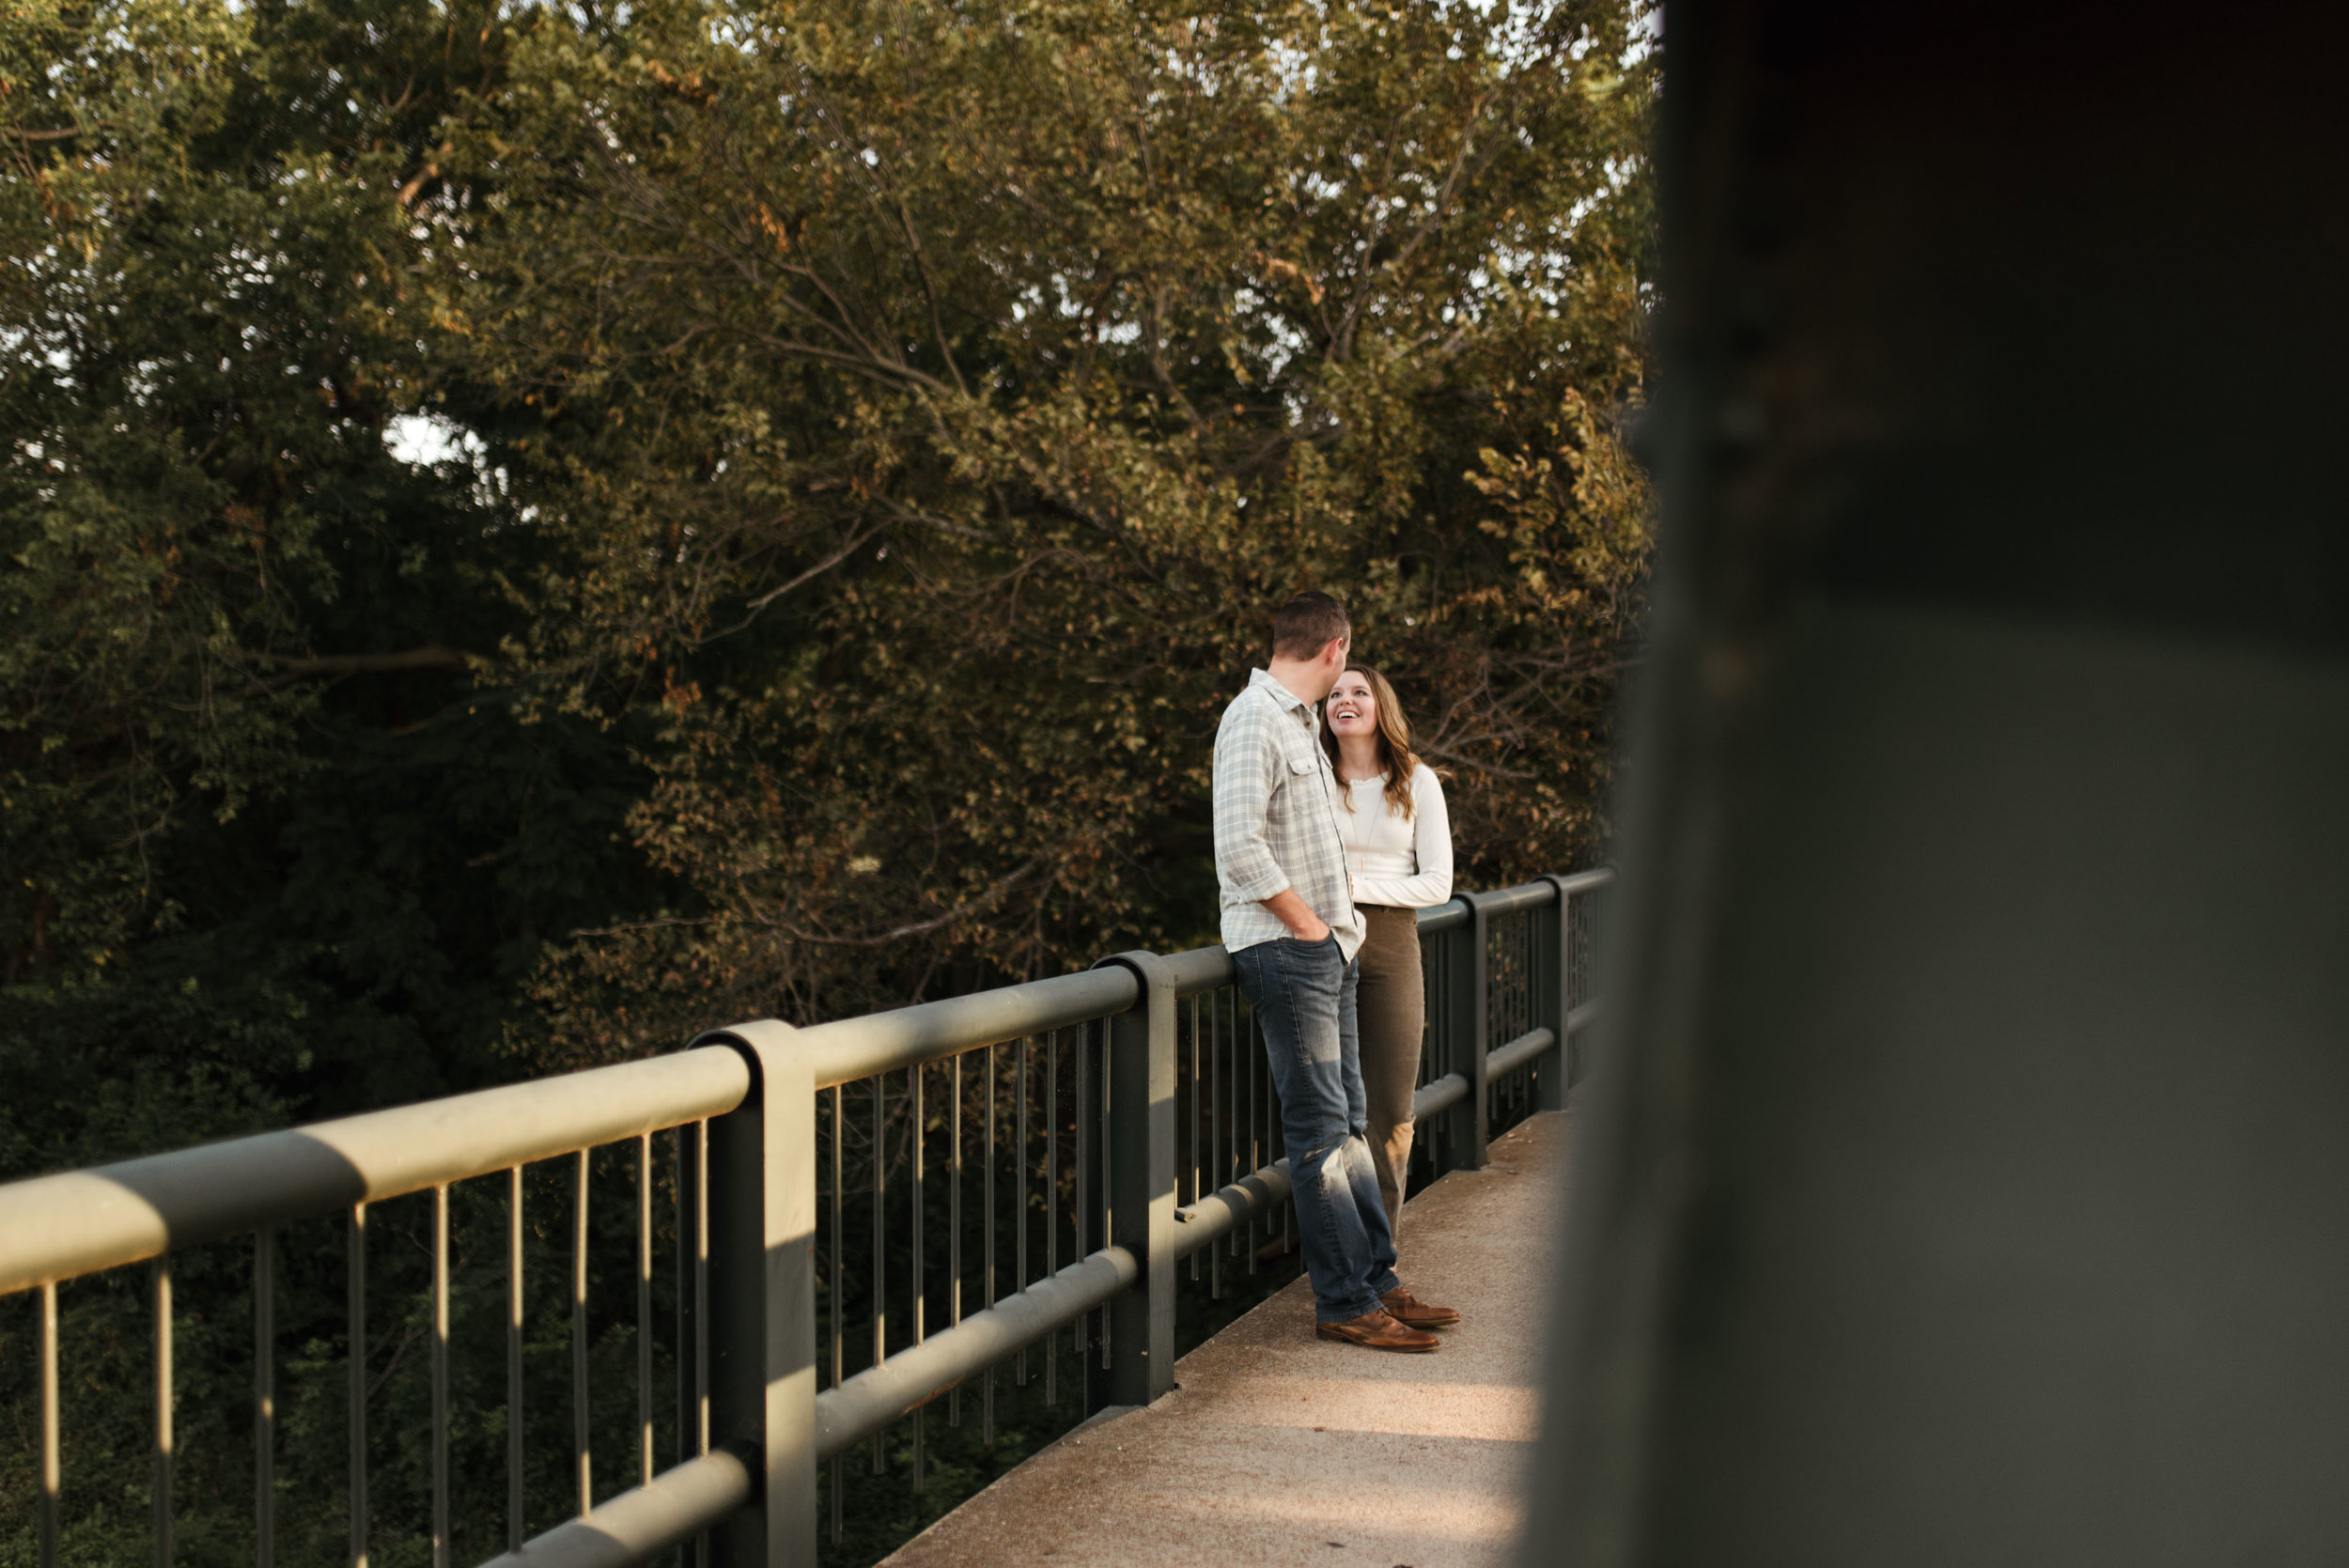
[1352, 709]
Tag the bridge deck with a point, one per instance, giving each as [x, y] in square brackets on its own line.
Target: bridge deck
[1277, 1446]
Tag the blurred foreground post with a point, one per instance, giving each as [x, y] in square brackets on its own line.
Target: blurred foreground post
[1966, 1171]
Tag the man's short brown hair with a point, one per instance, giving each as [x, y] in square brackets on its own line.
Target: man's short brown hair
[1308, 624]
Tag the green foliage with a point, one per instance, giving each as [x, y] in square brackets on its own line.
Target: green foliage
[873, 438]
[935, 399]
[253, 800]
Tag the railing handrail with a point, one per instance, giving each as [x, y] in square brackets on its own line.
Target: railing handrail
[761, 1286]
[70, 1223]
[851, 1049]
[74, 1222]
[847, 1050]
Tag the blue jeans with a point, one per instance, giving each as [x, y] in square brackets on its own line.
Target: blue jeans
[1303, 995]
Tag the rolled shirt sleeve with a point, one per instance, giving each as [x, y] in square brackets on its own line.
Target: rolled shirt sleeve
[1247, 764]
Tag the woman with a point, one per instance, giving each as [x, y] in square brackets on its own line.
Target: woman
[1398, 846]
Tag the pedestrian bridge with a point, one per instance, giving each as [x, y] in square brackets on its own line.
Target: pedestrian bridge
[827, 1247]
[1277, 1446]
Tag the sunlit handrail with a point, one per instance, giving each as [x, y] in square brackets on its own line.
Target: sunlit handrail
[75, 1223]
[58, 1227]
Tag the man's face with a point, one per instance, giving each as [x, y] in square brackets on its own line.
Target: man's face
[1331, 665]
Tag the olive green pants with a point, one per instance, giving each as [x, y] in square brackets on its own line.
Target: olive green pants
[1391, 1009]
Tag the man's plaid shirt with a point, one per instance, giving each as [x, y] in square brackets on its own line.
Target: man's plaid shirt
[1276, 822]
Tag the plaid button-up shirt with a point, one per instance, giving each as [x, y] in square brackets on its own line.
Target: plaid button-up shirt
[1276, 817]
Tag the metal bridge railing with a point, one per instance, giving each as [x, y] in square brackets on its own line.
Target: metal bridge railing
[1100, 1136]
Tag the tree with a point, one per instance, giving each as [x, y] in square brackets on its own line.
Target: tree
[271, 849]
[932, 399]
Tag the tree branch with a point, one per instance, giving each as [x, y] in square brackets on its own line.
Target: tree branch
[431, 656]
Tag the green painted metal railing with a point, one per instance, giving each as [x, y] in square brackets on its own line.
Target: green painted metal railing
[1121, 1091]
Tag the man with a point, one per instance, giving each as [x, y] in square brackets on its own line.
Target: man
[1292, 929]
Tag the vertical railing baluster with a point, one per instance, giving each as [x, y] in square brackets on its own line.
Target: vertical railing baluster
[1551, 988]
[52, 1466]
[1052, 1203]
[582, 1451]
[163, 1411]
[1503, 1010]
[1108, 1162]
[1277, 1149]
[1432, 1045]
[1269, 1130]
[838, 1283]
[645, 1465]
[1215, 1129]
[881, 1254]
[692, 1310]
[1190, 1124]
[1243, 1063]
[264, 1398]
[1463, 958]
[440, 1377]
[1497, 987]
[954, 1223]
[701, 1299]
[1521, 1082]
[987, 1389]
[917, 1128]
[357, 1315]
[1252, 1160]
[686, 1243]
[1081, 1210]
[1525, 999]
[1019, 1275]
[514, 1358]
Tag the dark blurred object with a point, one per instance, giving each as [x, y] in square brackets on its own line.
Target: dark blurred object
[1968, 1182]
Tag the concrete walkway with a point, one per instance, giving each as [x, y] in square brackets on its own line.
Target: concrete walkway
[1278, 1446]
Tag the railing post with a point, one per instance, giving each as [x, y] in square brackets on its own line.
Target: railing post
[762, 1299]
[1467, 973]
[1553, 995]
[1142, 1181]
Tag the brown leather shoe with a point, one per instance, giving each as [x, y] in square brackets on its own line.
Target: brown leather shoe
[1404, 1308]
[1377, 1331]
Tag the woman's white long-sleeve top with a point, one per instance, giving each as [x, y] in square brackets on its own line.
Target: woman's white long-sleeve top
[1398, 862]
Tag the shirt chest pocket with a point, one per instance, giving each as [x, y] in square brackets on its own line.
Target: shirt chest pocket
[1301, 755]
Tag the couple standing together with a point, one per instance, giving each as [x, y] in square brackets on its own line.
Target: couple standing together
[1329, 835]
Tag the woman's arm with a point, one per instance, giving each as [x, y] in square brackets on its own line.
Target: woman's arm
[1431, 836]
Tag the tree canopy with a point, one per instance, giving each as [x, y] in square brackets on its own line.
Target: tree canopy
[932, 401]
[851, 452]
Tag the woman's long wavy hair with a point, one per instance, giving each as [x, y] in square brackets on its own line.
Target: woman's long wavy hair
[1394, 742]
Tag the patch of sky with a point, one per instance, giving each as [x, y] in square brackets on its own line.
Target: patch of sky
[429, 439]
[1286, 344]
[1647, 35]
[434, 440]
